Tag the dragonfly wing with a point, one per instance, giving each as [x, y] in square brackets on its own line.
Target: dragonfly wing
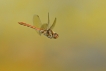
[44, 26]
[48, 22]
[37, 21]
[53, 24]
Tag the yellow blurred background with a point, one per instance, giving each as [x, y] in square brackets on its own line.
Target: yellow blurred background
[81, 46]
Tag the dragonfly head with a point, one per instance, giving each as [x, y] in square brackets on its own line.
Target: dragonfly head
[55, 35]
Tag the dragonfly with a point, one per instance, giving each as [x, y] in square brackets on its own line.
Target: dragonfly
[44, 29]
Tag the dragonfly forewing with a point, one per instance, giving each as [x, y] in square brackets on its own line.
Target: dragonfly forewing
[53, 25]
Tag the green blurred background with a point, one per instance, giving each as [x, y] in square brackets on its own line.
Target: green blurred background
[81, 46]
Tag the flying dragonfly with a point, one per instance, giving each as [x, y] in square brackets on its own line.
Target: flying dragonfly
[44, 29]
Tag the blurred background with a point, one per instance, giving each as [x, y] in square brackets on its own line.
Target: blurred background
[81, 46]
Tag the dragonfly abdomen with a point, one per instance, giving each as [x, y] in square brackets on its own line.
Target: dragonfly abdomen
[28, 25]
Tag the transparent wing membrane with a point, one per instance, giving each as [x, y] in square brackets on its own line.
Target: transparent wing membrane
[37, 21]
[44, 26]
[53, 24]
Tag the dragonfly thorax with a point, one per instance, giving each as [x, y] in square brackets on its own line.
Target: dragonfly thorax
[49, 33]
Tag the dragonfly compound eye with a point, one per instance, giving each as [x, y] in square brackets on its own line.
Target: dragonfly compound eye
[55, 35]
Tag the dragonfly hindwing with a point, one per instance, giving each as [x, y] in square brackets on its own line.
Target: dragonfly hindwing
[37, 22]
